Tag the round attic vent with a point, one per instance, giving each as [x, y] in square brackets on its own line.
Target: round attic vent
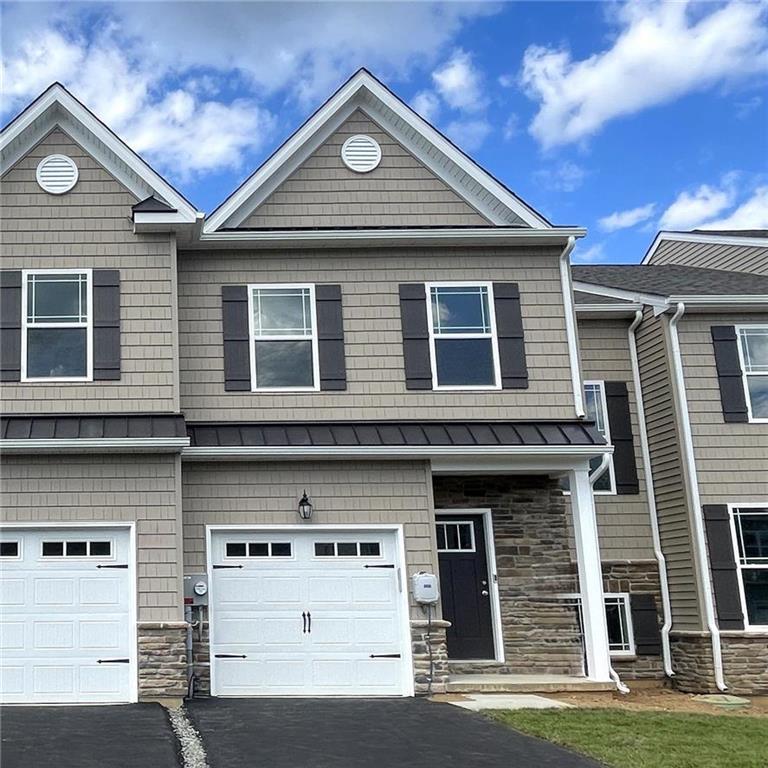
[57, 174]
[361, 153]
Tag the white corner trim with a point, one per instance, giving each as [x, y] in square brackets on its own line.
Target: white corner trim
[129, 444]
[696, 237]
[567, 288]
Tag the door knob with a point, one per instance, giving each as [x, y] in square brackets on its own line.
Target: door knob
[484, 593]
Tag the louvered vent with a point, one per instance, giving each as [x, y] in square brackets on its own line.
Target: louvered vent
[57, 174]
[361, 153]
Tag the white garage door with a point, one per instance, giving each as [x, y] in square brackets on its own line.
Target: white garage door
[308, 613]
[65, 599]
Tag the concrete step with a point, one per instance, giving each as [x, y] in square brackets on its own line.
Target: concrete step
[491, 683]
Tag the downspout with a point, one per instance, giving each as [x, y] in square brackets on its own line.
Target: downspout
[570, 327]
[651, 494]
[593, 478]
[700, 543]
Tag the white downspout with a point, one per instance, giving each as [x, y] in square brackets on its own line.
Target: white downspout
[651, 494]
[570, 328]
[593, 478]
[700, 543]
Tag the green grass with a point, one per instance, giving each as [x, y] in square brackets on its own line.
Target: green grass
[633, 739]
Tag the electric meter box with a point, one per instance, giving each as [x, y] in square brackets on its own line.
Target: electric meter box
[196, 589]
[424, 587]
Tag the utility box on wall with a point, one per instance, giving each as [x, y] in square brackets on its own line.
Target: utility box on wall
[196, 589]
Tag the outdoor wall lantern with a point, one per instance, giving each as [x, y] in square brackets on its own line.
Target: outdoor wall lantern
[305, 507]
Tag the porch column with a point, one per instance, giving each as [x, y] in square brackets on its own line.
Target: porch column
[590, 577]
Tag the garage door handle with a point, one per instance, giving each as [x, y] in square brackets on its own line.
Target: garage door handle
[230, 656]
[227, 566]
[309, 622]
[113, 661]
[113, 566]
[389, 565]
[304, 622]
[384, 656]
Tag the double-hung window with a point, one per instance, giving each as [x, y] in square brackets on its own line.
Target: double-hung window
[597, 411]
[283, 338]
[750, 529]
[57, 333]
[753, 348]
[463, 342]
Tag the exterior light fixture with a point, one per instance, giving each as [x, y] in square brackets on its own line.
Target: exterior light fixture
[305, 507]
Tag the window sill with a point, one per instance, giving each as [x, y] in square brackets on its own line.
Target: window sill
[56, 381]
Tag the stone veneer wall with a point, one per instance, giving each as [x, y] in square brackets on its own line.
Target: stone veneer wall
[162, 660]
[692, 662]
[420, 649]
[533, 564]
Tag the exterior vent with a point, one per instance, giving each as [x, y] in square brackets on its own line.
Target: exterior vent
[57, 174]
[361, 153]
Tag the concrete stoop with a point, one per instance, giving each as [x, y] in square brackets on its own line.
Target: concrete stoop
[502, 683]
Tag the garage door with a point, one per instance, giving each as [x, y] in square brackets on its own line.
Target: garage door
[65, 634]
[307, 614]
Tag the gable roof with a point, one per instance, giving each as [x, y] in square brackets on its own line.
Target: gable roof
[363, 91]
[666, 280]
[740, 237]
[56, 106]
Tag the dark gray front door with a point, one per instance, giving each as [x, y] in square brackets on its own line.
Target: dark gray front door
[465, 591]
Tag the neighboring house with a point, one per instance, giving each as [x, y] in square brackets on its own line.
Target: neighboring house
[366, 363]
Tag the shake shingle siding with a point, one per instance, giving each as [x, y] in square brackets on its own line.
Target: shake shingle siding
[373, 334]
[400, 192]
[741, 258]
[91, 226]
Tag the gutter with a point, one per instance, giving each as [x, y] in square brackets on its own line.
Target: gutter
[700, 543]
[566, 284]
[651, 494]
[111, 444]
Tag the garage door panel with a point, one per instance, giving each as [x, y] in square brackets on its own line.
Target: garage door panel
[107, 635]
[101, 591]
[50, 679]
[374, 590]
[12, 635]
[281, 590]
[53, 635]
[12, 591]
[329, 589]
[104, 679]
[12, 680]
[376, 631]
[54, 592]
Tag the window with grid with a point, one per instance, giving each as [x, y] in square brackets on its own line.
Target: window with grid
[751, 529]
[284, 338]
[463, 337]
[617, 616]
[56, 325]
[753, 341]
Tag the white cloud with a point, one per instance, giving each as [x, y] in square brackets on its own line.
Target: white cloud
[745, 108]
[567, 176]
[468, 134]
[589, 255]
[662, 51]
[459, 82]
[691, 209]
[751, 214]
[626, 219]
[427, 104]
[511, 127]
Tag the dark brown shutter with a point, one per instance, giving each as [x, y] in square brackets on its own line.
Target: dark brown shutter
[237, 345]
[330, 337]
[620, 423]
[106, 324]
[722, 561]
[509, 329]
[729, 374]
[10, 325]
[413, 317]
[645, 625]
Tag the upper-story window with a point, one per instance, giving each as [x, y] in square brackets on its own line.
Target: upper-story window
[753, 345]
[283, 338]
[57, 333]
[462, 330]
[597, 411]
[751, 534]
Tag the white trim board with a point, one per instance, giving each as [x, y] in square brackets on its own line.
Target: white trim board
[95, 444]
[363, 91]
[701, 237]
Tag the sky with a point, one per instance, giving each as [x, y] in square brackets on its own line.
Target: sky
[624, 118]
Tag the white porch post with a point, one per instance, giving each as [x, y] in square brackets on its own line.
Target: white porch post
[590, 577]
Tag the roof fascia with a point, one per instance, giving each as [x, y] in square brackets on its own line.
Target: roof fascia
[57, 100]
[636, 297]
[326, 120]
[627, 309]
[95, 445]
[695, 237]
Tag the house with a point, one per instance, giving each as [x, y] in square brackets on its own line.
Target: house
[235, 438]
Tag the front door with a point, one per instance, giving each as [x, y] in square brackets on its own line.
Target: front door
[464, 586]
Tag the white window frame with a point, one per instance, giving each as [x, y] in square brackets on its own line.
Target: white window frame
[471, 525]
[733, 511]
[88, 325]
[87, 557]
[19, 542]
[284, 337]
[746, 374]
[336, 556]
[604, 405]
[625, 600]
[269, 556]
[492, 335]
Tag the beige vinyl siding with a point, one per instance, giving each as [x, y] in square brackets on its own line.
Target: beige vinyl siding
[731, 459]
[373, 335]
[140, 489]
[91, 226]
[739, 258]
[400, 192]
[355, 492]
[667, 467]
[623, 522]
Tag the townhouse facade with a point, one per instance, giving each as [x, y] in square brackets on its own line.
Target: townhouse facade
[230, 442]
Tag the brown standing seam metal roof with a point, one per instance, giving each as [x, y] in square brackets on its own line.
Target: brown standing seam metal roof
[68, 427]
[408, 434]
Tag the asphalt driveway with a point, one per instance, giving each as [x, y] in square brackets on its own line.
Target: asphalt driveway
[364, 733]
[122, 736]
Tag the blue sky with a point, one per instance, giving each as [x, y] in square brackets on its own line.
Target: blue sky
[620, 117]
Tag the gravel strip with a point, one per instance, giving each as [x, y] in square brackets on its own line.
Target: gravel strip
[192, 750]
